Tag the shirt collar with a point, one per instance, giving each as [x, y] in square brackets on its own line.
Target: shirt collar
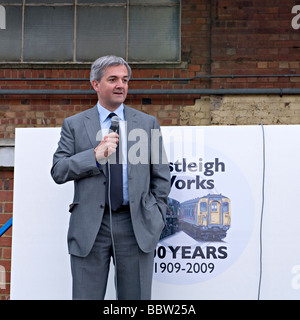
[103, 112]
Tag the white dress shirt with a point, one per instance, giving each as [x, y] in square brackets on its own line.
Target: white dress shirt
[105, 123]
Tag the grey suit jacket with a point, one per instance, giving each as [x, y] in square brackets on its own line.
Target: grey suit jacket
[148, 183]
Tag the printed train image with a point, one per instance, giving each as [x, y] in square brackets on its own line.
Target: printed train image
[207, 218]
[172, 219]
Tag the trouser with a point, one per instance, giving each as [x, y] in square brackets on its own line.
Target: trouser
[133, 267]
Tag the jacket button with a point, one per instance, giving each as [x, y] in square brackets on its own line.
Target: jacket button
[101, 206]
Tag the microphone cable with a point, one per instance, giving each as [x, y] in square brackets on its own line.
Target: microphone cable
[111, 229]
[262, 212]
[114, 128]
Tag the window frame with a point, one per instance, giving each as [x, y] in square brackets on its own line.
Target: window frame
[76, 5]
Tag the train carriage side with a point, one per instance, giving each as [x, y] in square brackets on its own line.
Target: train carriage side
[189, 217]
[206, 218]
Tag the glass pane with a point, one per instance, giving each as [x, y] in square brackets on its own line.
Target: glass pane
[154, 34]
[48, 34]
[11, 37]
[203, 206]
[8, 3]
[102, 1]
[225, 207]
[164, 2]
[214, 207]
[50, 1]
[100, 31]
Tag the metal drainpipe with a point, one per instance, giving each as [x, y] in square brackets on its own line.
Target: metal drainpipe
[230, 76]
[265, 91]
[279, 91]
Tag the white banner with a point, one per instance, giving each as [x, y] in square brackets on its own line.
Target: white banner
[230, 234]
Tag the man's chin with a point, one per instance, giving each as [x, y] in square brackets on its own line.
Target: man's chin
[118, 100]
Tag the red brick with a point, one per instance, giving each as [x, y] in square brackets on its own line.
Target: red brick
[6, 196]
[6, 174]
[6, 255]
[5, 240]
[8, 207]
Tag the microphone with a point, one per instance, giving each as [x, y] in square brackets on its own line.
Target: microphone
[115, 124]
[114, 127]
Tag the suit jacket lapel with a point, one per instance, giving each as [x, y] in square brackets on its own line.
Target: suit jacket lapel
[93, 128]
[131, 123]
[92, 125]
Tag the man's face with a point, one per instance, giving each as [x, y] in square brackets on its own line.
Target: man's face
[113, 87]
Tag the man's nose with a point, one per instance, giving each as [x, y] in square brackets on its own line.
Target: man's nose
[120, 83]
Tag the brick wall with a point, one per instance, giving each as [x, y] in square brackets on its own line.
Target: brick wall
[6, 210]
[255, 38]
[228, 38]
[218, 37]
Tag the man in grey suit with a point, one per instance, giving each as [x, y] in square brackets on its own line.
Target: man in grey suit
[104, 222]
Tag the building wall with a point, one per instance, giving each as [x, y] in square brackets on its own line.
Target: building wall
[225, 45]
[6, 210]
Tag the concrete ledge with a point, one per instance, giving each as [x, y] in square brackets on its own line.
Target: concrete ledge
[7, 152]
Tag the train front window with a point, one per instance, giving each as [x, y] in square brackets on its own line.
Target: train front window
[203, 206]
[214, 207]
[225, 207]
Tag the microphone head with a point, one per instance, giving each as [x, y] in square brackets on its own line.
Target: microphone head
[114, 123]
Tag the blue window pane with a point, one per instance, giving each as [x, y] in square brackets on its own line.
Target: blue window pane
[203, 206]
[11, 37]
[49, 34]
[97, 35]
[154, 34]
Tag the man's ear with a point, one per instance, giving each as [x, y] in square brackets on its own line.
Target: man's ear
[95, 85]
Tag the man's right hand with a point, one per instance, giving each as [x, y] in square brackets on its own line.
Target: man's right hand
[107, 146]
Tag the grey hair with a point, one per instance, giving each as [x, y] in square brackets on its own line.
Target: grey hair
[99, 66]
